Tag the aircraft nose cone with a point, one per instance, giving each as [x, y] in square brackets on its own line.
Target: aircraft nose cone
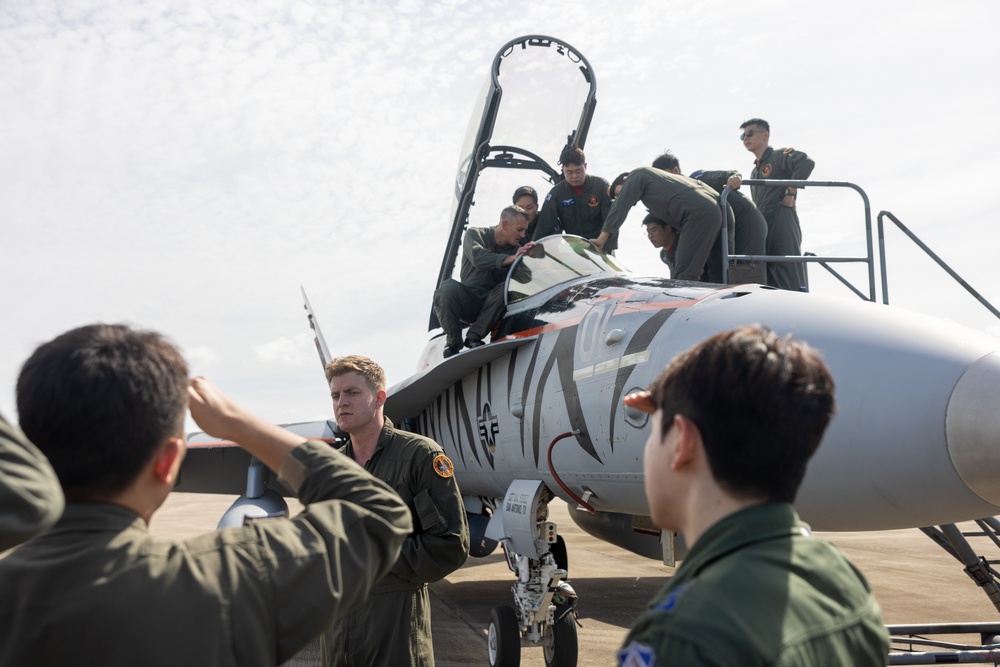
[972, 426]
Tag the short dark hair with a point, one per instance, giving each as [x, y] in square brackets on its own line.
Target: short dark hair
[757, 121]
[98, 400]
[651, 219]
[761, 403]
[572, 155]
[619, 180]
[666, 162]
[524, 191]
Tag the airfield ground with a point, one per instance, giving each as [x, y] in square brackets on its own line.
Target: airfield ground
[914, 580]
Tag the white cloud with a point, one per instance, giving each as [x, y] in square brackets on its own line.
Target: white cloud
[200, 358]
[187, 167]
[294, 351]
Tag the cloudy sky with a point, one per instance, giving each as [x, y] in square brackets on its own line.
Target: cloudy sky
[186, 166]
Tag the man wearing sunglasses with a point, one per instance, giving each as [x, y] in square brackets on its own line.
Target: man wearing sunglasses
[784, 235]
[734, 422]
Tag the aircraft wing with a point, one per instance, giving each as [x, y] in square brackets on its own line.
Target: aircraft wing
[412, 395]
[220, 466]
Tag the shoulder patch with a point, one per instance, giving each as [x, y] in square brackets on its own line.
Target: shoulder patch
[593, 201]
[443, 466]
[548, 196]
[765, 171]
[674, 599]
[636, 655]
[697, 175]
[789, 150]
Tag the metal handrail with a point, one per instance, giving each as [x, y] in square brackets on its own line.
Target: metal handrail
[869, 259]
[843, 281]
[930, 253]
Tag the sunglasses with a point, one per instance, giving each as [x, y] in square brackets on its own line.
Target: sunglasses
[750, 133]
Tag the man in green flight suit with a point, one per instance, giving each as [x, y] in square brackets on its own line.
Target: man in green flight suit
[576, 205]
[394, 626]
[750, 230]
[687, 205]
[106, 405]
[735, 420]
[487, 252]
[30, 497]
[527, 198]
[784, 235]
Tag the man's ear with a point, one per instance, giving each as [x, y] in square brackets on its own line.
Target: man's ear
[687, 444]
[168, 459]
[380, 398]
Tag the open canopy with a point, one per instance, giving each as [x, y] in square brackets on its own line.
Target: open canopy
[548, 94]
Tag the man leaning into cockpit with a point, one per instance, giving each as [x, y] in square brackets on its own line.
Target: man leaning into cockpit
[487, 252]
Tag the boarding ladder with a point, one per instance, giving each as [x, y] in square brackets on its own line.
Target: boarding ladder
[826, 262]
[909, 641]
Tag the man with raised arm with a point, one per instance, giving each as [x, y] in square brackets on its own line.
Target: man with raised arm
[735, 420]
[106, 404]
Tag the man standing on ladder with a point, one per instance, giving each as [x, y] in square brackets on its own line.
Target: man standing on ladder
[784, 236]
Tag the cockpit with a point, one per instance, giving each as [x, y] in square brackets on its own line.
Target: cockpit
[555, 260]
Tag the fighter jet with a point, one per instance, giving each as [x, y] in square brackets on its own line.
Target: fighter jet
[539, 413]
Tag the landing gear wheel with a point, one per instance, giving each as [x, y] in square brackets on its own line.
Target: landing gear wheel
[559, 554]
[504, 641]
[564, 648]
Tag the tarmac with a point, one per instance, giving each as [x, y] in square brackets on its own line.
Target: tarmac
[914, 580]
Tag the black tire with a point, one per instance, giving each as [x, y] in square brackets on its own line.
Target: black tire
[559, 553]
[503, 642]
[565, 647]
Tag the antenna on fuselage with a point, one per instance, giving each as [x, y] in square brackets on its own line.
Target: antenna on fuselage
[324, 352]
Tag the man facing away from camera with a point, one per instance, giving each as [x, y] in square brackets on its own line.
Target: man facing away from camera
[735, 420]
[106, 405]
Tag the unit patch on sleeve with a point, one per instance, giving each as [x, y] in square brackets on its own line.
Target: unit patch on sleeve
[443, 466]
[636, 655]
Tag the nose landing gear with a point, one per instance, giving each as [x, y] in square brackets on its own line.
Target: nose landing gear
[545, 604]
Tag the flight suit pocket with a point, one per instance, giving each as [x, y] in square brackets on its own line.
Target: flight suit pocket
[428, 514]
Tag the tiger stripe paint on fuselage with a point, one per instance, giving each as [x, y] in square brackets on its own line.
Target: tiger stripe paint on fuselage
[570, 352]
